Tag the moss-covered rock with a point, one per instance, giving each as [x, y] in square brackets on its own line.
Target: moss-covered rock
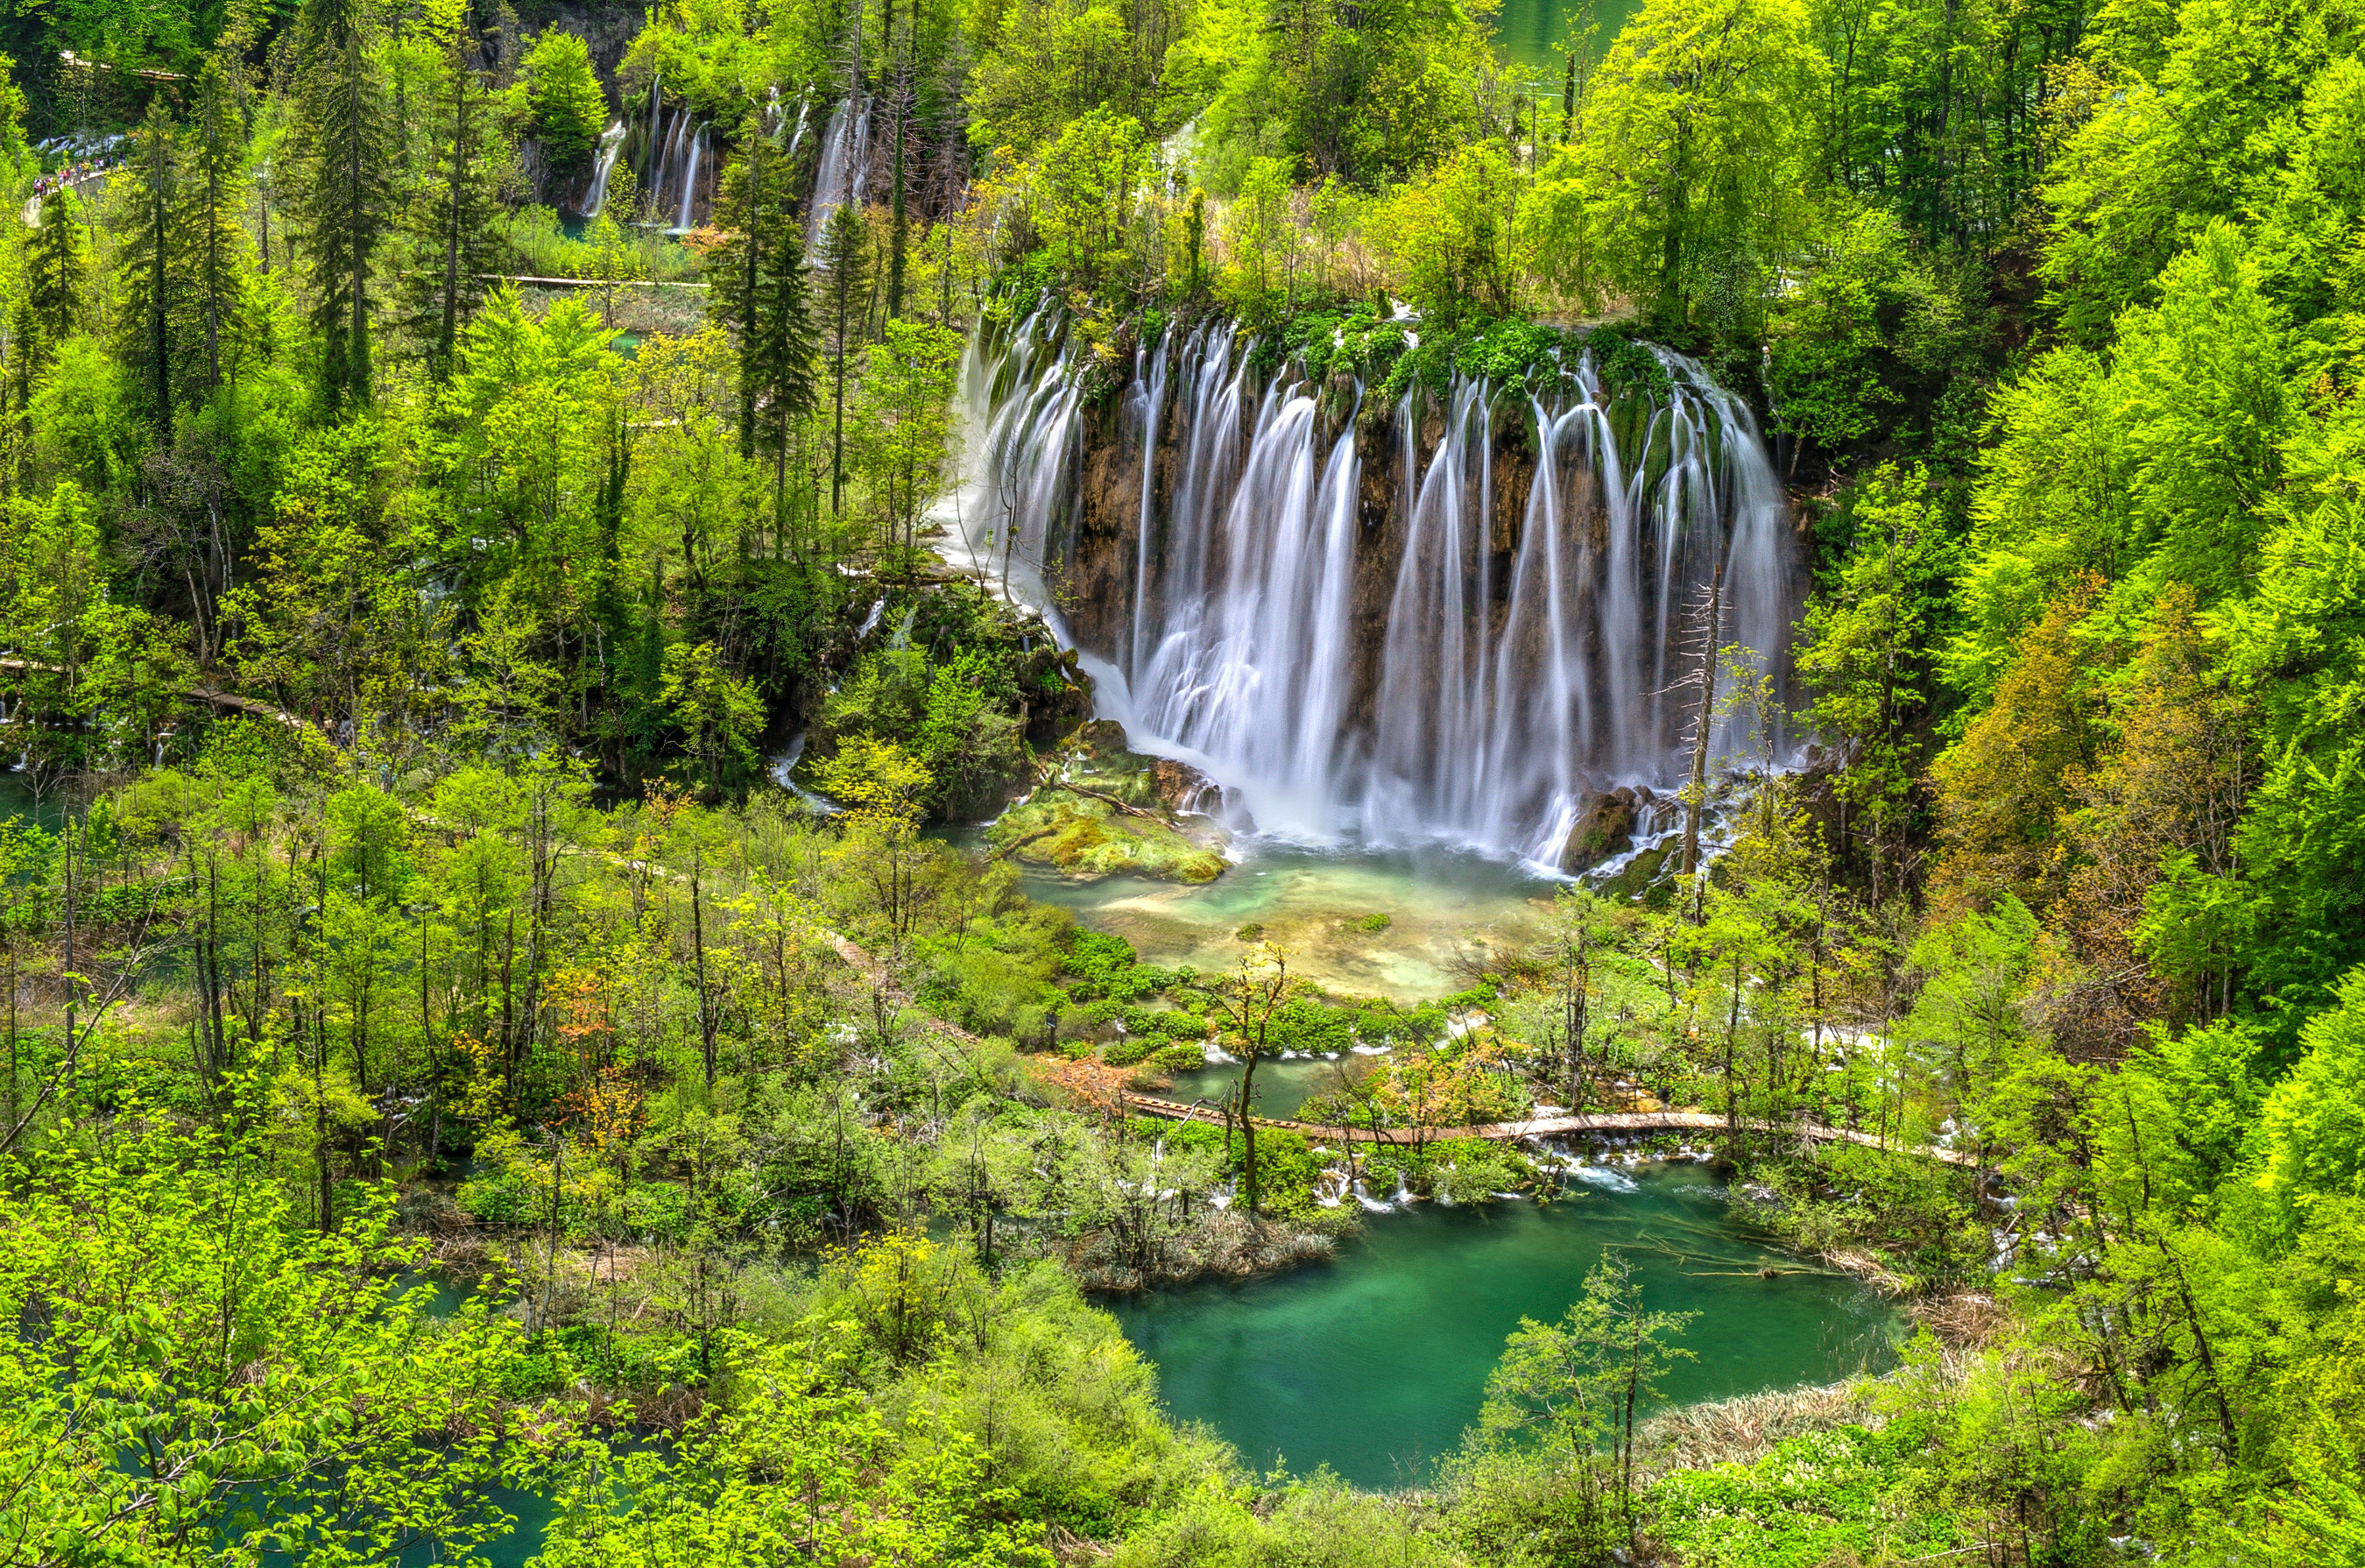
[1605, 826]
[1638, 875]
[1088, 838]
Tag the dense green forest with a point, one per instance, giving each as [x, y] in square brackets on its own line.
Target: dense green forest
[507, 1018]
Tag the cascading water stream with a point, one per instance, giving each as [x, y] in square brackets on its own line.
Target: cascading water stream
[697, 139]
[844, 159]
[679, 145]
[611, 143]
[1019, 432]
[1464, 651]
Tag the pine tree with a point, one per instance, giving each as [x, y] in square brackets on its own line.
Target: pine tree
[900, 245]
[783, 365]
[213, 188]
[343, 192]
[57, 262]
[845, 290]
[50, 308]
[452, 215]
[146, 269]
[765, 299]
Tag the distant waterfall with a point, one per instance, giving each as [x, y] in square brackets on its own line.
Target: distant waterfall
[679, 173]
[595, 195]
[1464, 660]
[844, 161]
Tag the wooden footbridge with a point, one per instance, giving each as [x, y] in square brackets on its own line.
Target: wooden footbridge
[1574, 1124]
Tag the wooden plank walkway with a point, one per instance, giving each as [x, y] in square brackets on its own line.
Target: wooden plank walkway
[1550, 1127]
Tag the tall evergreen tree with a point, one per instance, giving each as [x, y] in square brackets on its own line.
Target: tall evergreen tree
[899, 244]
[51, 305]
[343, 144]
[213, 188]
[453, 211]
[146, 269]
[845, 290]
[57, 264]
[767, 299]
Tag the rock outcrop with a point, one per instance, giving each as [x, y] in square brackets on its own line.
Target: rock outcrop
[1604, 827]
[1102, 810]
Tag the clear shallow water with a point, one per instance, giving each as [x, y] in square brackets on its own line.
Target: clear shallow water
[1446, 910]
[17, 802]
[1375, 1362]
[1282, 1087]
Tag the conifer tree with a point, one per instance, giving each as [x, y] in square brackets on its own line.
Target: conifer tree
[768, 302]
[57, 262]
[453, 212]
[146, 266]
[343, 141]
[899, 245]
[845, 290]
[51, 305]
[213, 187]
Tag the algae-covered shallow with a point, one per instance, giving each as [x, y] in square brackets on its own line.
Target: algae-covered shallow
[1447, 911]
[1373, 1364]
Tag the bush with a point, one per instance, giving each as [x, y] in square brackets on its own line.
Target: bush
[1130, 1049]
[1824, 1497]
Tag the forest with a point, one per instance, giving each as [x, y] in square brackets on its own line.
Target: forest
[610, 617]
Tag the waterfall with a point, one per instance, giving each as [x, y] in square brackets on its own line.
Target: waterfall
[1019, 429]
[611, 143]
[689, 180]
[844, 159]
[1456, 627]
[680, 144]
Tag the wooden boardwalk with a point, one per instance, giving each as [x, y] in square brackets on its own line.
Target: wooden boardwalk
[1550, 1127]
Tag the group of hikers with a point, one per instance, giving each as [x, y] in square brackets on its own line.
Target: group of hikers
[72, 175]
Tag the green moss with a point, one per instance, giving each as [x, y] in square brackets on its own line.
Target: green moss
[1639, 875]
[1087, 839]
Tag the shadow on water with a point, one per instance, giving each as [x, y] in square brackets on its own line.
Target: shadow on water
[1534, 32]
[16, 803]
[1375, 1362]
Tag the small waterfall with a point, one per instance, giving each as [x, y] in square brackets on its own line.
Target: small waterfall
[1467, 663]
[689, 180]
[844, 161]
[611, 143]
[680, 144]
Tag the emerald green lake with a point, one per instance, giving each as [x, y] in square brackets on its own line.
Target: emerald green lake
[1533, 33]
[1373, 1362]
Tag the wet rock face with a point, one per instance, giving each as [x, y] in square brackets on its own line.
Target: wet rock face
[1099, 757]
[1605, 826]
